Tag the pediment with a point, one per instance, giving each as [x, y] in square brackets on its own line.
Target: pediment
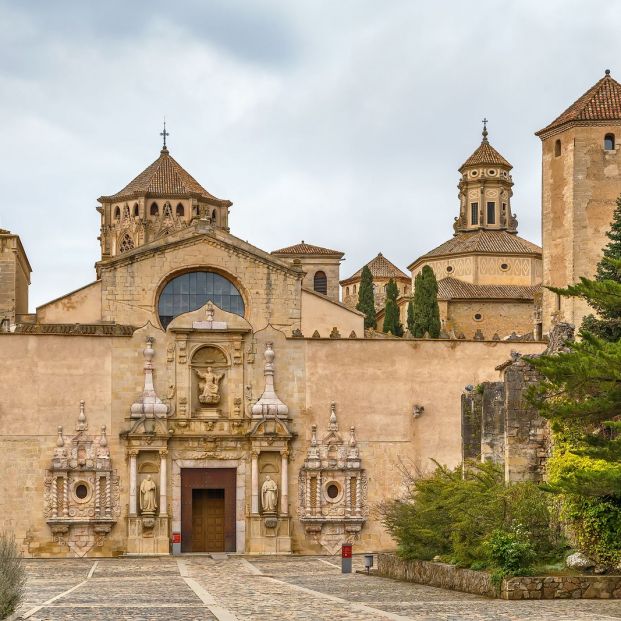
[197, 320]
[199, 233]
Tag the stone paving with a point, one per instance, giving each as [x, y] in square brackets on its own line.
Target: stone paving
[235, 588]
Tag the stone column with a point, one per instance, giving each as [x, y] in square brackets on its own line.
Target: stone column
[254, 507]
[132, 483]
[163, 483]
[284, 482]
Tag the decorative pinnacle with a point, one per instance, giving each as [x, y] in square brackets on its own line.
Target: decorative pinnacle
[163, 134]
[485, 122]
[607, 72]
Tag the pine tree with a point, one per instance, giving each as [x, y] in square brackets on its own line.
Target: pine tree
[366, 298]
[425, 304]
[391, 314]
[581, 395]
[608, 324]
[410, 320]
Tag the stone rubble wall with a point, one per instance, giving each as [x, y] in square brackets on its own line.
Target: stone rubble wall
[448, 576]
[562, 587]
[440, 575]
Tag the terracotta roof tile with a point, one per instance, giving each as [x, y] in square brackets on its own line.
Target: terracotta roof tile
[485, 154]
[380, 267]
[165, 177]
[304, 248]
[483, 241]
[602, 102]
[452, 288]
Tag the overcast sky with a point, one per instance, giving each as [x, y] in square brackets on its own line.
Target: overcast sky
[342, 123]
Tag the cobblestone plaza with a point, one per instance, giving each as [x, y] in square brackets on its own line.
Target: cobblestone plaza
[193, 588]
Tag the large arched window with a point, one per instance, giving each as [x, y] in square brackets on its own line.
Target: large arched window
[190, 291]
[155, 210]
[320, 283]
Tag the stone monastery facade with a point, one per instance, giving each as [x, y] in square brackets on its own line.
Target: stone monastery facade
[202, 394]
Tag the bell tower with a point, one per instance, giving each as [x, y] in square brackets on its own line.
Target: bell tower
[581, 180]
[485, 191]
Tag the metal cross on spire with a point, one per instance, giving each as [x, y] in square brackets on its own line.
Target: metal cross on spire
[485, 122]
[164, 133]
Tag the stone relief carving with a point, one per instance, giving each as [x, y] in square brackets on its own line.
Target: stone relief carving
[332, 501]
[209, 386]
[81, 491]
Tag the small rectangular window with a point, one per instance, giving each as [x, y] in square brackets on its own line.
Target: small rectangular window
[474, 213]
[491, 213]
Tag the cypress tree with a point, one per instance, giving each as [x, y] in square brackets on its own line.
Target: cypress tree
[410, 320]
[425, 304]
[391, 314]
[608, 324]
[366, 298]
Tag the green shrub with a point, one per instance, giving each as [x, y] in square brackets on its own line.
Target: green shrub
[511, 552]
[12, 576]
[457, 513]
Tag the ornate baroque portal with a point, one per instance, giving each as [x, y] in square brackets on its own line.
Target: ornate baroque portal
[333, 488]
[81, 489]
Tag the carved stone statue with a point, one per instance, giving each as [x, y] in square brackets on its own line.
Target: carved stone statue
[209, 386]
[269, 495]
[148, 503]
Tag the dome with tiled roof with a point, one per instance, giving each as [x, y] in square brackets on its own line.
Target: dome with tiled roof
[485, 155]
[602, 102]
[164, 178]
[307, 249]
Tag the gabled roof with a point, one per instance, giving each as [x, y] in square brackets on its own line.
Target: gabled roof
[380, 267]
[308, 249]
[485, 154]
[452, 289]
[602, 102]
[482, 241]
[165, 178]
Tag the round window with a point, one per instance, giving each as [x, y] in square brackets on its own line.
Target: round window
[478, 317]
[504, 267]
[449, 268]
[81, 491]
[190, 291]
[332, 490]
[474, 173]
[491, 172]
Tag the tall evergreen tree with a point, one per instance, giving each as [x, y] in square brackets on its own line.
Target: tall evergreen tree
[391, 314]
[410, 319]
[366, 298]
[608, 324]
[425, 304]
[581, 395]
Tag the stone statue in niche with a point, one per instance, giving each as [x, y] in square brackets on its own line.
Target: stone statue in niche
[209, 387]
[148, 503]
[269, 495]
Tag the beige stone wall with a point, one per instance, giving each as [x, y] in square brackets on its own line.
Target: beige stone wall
[374, 383]
[502, 317]
[81, 306]
[14, 277]
[351, 298]
[270, 288]
[579, 190]
[321, 314]
[331, 268]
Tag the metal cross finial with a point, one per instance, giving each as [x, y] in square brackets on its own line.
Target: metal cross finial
[485, 122]
[164, 133]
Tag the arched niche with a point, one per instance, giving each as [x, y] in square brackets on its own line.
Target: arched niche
[209, 369]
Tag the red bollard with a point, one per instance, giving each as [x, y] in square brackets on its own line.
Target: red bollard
[346, 558]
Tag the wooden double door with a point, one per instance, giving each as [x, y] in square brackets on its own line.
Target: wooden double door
[208, 510]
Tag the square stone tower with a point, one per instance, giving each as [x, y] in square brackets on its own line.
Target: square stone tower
[581, 180]
[15, 273]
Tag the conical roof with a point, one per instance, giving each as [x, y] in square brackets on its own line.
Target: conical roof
[166, 178]
[485, 154]
[380, 267]
[602, 102]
